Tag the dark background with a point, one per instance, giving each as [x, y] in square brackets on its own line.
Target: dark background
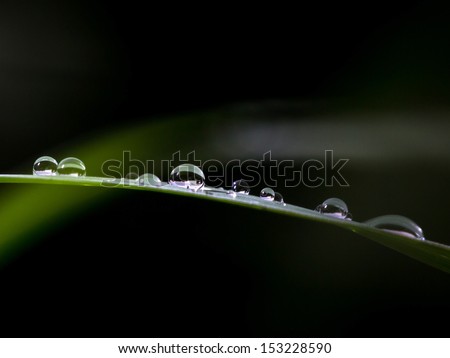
[69, 68]
[180, 267]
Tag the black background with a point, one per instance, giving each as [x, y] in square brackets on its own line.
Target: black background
[93, 64]
[71, 69]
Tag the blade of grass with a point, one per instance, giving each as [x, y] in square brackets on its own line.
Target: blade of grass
[428, 252]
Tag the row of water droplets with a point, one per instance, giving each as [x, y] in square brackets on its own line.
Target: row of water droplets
[395, 224]
[191, 177]
[49, 166]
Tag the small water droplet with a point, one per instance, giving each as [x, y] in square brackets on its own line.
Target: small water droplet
[397, 224]
[231, 193]
[267, 194]
[241, 187]
[45, 166]
[149, 179]
[216, 191]
[334, 207]
[212, 190]
[132, 176]
[72, 166]
[187, 176]
[278, 198]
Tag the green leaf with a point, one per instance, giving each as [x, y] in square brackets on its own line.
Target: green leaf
[12, 225]
[29, 210]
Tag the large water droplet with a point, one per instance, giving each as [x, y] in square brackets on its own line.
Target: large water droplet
[149, 179]
[278, 198]
[241, 187]
[187, 176]
[397, 224]
[45, 166]
[267, 194]
[334, 207]
[72, 166]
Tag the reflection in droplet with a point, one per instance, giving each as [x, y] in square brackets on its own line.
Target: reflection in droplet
[278, 198]
[267, 194]
[45, 166]
[149, 179]
[187, 176]
[397, 224]
[241, 187]
[72, 166]
[334, 207]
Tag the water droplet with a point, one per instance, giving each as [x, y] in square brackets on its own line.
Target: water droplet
[334, 207]
[213, 190]
[278, 198]
[149, 179]
[45, 166]
[397, 224]
[132, 176]
[241, 187]
[231, 193]
[72, 166]
[217, 191]
[187, 176]
[267, 194]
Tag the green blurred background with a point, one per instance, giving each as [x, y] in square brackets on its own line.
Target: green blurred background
[92, 79]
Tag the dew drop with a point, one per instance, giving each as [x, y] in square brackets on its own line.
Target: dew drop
[149, 179]
[213, 190]
[241, 187]
[278, 198]
[217, 191]
[334, 207]
[45, 166]
[231, 193]
[132, 176]
[267, 194]
[72, 166]
[187, 176]
[397, 224]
